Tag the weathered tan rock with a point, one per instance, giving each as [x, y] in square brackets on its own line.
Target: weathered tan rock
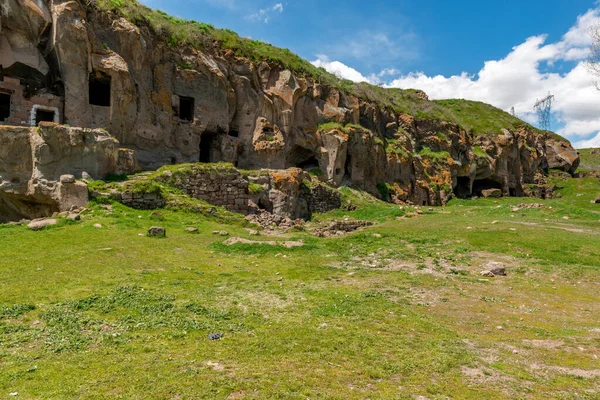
[561, 155]
[157, 231]
[41, 224]
[39, 166]
[252, 114]
[495, 193]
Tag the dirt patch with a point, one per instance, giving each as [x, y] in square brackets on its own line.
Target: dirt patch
[481, 375]
[564, 227]
[544, 344]
[237, 395]
[580, 373]
[215, 366]
[287, 244]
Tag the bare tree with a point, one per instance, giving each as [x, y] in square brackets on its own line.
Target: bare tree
[593, 63]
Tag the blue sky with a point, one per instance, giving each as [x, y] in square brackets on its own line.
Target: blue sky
[507, 53]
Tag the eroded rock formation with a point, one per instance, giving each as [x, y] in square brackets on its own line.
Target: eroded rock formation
[38, 164]
[177, 105]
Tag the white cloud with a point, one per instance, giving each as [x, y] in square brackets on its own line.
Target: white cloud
[264, 14]
[586, 144]
[339, 69]
[518, 80]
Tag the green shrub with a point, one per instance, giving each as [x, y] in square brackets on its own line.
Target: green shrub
[434, 155]
[384, 191]
[145, 186]
[316, 172]
[479, 152]
[255, 188]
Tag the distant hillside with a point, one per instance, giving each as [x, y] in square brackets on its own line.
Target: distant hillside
[590, 159]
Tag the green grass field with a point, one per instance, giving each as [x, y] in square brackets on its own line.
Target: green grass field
[396, 311]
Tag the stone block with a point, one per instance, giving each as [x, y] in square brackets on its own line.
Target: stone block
[157, 231]
[494, 193]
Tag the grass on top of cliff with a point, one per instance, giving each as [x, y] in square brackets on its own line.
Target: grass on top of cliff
[478, 118]
[398, 310]
[178, 32]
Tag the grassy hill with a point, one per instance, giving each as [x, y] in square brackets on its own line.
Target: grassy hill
[590, 159]
[475, 117]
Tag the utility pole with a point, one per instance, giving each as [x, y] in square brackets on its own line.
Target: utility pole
[543, 108]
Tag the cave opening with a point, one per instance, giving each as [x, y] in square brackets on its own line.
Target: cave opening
[309, 163]
[186, 108]
[463, 187]
[302, 158]
[99, 89]
[42, 115]
[484, 184]
[4, 106]
[234, 133]
[265, 205]
[206, 147]
[348, 166]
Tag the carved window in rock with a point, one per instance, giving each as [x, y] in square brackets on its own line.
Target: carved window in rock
[44, 116]
[4, 106]
[186, 108]
[99, 89]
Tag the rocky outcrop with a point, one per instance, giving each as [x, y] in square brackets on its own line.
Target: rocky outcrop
[178, 105]
[288, 193]
[562, 156]
[39, 167]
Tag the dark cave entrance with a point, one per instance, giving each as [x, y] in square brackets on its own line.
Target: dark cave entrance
[206, 147]
[302, 158]
[186, 108]
[463, 187]
[483, 184]
[348, 166]
[309, 163]
[234, 133]
[99, 89]
[4, 106]
[44, 116]
[265, 205]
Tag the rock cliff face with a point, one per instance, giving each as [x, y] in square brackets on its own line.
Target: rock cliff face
[176, 105]
[36, 167]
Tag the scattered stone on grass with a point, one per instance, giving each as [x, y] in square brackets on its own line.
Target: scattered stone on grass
[339, 228]
[215, 336]
[98, 226]
[191, 230]
[496, 268]
[157, 231]
[39, 224]
[266, 219]
[74, 217]
[288, 244]
[494, 193]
